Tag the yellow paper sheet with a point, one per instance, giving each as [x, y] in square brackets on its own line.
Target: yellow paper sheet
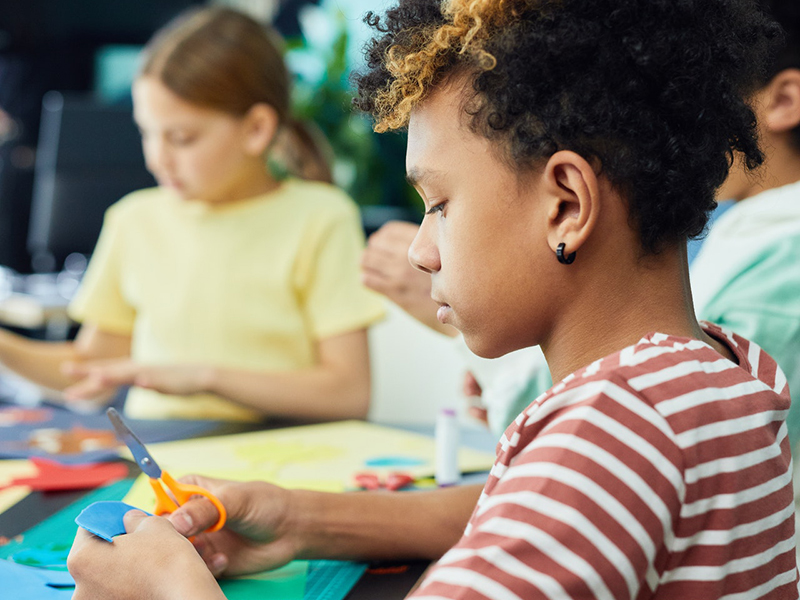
[317, 457]
[11, 469]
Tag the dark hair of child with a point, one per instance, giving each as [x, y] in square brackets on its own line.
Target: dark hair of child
[651, 91]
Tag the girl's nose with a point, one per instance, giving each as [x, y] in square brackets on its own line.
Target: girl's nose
[156, 155]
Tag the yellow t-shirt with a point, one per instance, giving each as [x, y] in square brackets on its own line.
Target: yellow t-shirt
[248, 285]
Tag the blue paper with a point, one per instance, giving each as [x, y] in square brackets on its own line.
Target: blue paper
[394, 461]
[30, 583]
[105, 518]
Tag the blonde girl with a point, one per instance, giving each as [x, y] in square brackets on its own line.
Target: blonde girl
[223, 293]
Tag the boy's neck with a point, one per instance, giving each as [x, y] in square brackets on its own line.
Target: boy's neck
[650, 295]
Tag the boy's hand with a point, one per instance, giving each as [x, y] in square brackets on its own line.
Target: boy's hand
[259, 533]
[151, 560]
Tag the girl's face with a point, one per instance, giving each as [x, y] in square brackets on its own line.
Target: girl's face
[484, 238]
[200, 153]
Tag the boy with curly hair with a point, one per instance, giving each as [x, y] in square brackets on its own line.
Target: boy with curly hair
[565, 150]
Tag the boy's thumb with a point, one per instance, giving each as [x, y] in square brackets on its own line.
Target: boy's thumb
[132, 520]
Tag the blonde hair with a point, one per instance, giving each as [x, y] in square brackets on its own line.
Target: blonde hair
[224, 60]
[416, 65]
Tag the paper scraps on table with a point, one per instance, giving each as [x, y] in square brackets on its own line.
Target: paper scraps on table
[31, 583]
[16, 415]
[70, 438]
[321, 457]
[394, 461]
[53, 476]
[105, 519]
[52, 555]
[48, 544]
[10, 470]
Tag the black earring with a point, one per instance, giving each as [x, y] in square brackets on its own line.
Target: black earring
[564, 260]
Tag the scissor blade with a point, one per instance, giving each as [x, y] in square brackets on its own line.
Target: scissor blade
[137, 448]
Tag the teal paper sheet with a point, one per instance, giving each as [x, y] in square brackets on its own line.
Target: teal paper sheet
[332, 579]
[47, 545]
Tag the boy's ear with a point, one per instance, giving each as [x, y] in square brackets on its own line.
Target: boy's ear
[781, 102]
[573, 195]
[261, 125]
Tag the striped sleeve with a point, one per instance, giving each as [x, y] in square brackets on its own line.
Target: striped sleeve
[583, 510]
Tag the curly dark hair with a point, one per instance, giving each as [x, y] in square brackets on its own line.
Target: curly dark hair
[653, 90]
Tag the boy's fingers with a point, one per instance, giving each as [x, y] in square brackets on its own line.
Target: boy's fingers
[132, 520]
[217, 563]
[194, 517]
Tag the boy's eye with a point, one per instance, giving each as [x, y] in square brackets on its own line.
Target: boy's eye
[436, 208]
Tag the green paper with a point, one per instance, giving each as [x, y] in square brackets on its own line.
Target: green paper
[50, 540]
[332, 579]
[59, 529]
[286, 583]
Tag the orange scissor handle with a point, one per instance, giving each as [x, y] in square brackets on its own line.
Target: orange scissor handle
[182, 492]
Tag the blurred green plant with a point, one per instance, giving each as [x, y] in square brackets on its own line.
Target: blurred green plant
[369, 166]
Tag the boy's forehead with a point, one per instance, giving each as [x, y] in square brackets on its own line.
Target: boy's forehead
[436, 129]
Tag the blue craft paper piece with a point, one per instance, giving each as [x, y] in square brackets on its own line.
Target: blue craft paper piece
[104, 518]
[58, 579]
[31, 583]
[394, 461]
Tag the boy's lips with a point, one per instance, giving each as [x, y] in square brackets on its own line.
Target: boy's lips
[444, 311]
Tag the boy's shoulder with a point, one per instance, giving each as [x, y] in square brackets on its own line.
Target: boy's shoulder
[666, 375]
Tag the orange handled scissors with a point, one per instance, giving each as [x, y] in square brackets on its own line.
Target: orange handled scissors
[161, 481]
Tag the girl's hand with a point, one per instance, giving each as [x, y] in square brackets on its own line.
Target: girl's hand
[259, 533]
[386, 269]
[101, 376]
[472, 390]
[151, 560]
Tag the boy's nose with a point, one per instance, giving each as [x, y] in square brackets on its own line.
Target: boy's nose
[423, 253]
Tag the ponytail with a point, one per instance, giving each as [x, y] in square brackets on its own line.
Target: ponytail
[303, 151]
[222, 59]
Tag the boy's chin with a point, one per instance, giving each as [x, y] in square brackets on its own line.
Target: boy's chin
[486, 347]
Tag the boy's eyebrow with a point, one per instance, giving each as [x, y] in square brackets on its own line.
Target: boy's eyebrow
[416, 176]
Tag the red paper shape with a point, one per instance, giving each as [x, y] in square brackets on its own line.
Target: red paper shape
[55, 476]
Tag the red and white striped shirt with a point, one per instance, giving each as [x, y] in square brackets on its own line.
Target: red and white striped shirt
[661, 471]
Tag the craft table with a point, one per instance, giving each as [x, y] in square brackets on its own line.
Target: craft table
[388, 581]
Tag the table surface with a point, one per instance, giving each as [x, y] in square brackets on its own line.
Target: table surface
[385, 580]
